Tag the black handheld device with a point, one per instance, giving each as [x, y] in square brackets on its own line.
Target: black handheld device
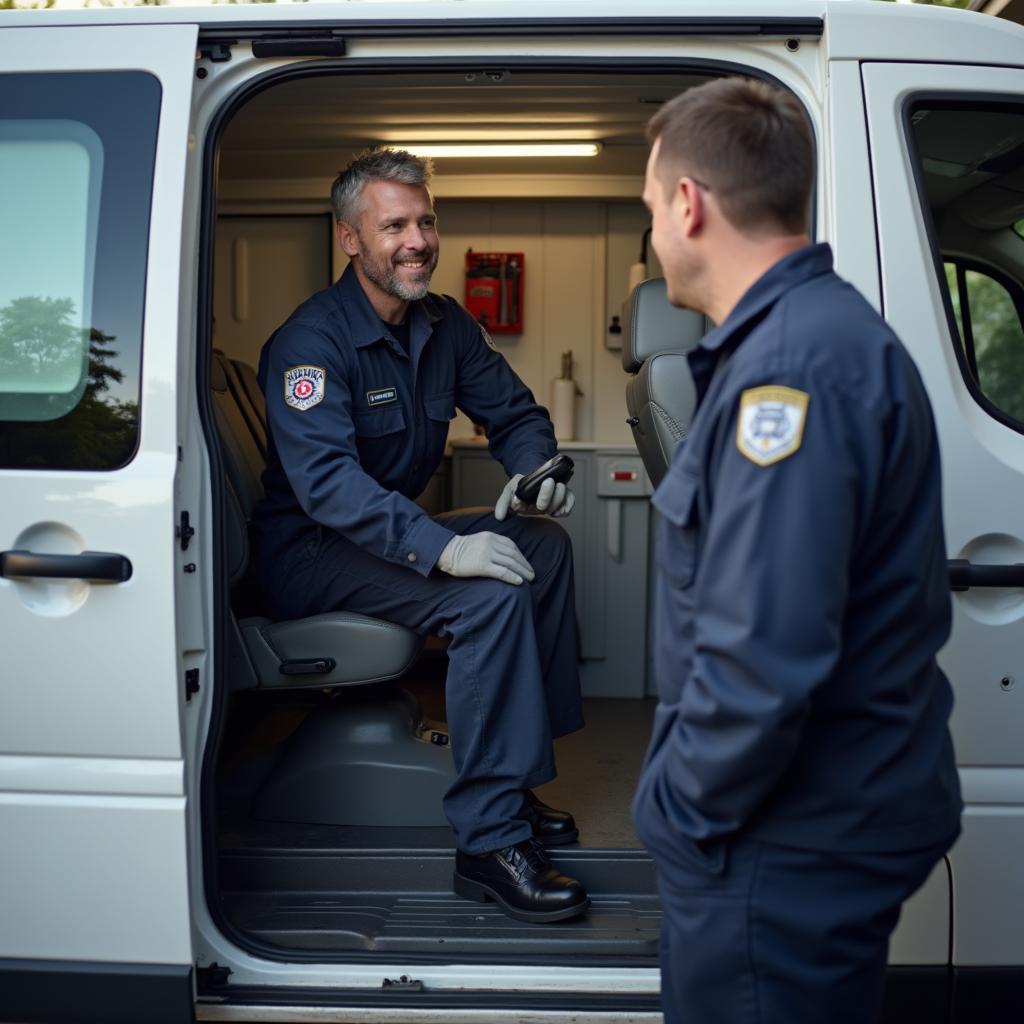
[558, 469]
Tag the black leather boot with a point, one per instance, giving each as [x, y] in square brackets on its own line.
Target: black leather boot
[551, 827]
[522, 881]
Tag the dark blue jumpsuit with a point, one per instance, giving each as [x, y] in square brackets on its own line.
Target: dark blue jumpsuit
[800, 781]
[357, 426]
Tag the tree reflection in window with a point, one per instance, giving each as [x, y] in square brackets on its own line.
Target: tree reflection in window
[39, 338]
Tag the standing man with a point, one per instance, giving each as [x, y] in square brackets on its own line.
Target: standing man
[800, 782]
[361, 383]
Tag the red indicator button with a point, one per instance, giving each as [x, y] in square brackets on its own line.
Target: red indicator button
[623, 474]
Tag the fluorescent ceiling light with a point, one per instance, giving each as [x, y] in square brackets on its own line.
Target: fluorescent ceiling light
[501, 149]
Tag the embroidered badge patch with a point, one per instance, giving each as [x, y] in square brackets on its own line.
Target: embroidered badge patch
[381, 396]
[487, 338]
[771, 423]
[304, 386]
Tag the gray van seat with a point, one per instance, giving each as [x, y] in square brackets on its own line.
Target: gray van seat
[368, 757]
[660, 396]
[244, 385]
[332, 649]
[250, 384]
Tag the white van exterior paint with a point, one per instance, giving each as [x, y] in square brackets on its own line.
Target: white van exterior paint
[118, 779]
[92, 805]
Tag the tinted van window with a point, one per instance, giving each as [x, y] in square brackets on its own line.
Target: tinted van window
[76, 163]
[969, 156]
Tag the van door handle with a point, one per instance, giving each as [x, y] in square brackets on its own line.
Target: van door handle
[95, 566]
[964, 574]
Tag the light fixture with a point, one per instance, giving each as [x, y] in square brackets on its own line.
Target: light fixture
[444, 150]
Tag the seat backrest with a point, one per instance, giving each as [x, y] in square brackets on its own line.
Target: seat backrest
[244, 385]
[243, 460]
[660, 395]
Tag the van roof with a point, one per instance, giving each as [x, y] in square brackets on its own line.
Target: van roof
[855, 29]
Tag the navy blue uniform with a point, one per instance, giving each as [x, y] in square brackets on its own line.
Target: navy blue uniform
[357, 426]
[800, 781]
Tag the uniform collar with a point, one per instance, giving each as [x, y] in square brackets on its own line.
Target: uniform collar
[366, 327]
[790, 271]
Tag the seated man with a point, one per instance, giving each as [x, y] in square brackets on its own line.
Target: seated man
[361, 382]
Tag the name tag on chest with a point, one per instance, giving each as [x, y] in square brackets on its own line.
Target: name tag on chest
[381, 396]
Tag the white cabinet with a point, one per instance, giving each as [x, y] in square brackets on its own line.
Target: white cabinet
[609, 533]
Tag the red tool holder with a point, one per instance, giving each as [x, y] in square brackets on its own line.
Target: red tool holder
[494, 290]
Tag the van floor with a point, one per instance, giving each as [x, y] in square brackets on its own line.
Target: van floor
[337, 891]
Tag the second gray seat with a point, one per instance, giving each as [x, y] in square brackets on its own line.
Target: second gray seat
[660, 395]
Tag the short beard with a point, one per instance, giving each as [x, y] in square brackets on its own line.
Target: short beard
[385, 276]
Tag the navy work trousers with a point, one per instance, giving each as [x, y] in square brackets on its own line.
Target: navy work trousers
[775, 935]
[513, 678]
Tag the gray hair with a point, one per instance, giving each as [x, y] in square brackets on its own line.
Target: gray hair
[375, 164]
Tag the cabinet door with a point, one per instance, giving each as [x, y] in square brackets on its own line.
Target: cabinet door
[265, 267]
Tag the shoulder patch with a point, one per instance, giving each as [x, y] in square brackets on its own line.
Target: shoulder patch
[771, 423]
[304, 386]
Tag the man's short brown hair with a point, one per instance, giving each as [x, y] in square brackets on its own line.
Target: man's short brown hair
[748, 143]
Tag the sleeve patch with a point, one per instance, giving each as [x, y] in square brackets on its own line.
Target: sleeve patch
[489, 341]
[771, 423]
[304, 386]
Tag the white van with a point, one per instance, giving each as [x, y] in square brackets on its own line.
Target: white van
[200, 818]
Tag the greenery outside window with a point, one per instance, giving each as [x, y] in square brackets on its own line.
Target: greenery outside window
[988, 309]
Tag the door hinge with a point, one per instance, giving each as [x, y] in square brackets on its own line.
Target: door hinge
[217, 51]
[213, 976]
[185, 531]
[191, 682]
[402, 984]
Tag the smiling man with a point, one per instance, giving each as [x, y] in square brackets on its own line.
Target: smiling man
[361, 383]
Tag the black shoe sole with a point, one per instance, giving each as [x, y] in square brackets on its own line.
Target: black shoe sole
[480, 893]
[563, 840]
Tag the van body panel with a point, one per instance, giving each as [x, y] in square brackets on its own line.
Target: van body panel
[983, 467]
[857, 29]
[862, 31]
[846, 209]
[94, 878]
[983, 459]
[110, 776]
[101, 747]
[727, 16]
[92, 798]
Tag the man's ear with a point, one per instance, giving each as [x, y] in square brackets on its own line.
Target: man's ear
[691, 206]
[347, 238]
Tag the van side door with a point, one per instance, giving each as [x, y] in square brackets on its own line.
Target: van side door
[94, 902]
[947, 148]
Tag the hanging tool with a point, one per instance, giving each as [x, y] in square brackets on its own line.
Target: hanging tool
[503, 291]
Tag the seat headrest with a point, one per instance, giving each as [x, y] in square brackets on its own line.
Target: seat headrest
[218, 372]
[654, 325]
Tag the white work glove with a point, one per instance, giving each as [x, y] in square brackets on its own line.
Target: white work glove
[553, 499]
[485, 554]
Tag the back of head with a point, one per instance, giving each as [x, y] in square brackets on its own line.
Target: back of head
[375, 164]
[748, 143]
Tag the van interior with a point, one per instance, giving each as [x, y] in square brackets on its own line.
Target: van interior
[327, 754]
[324, 787]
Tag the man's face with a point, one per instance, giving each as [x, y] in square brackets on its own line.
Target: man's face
[397, 235]
[669, 236]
